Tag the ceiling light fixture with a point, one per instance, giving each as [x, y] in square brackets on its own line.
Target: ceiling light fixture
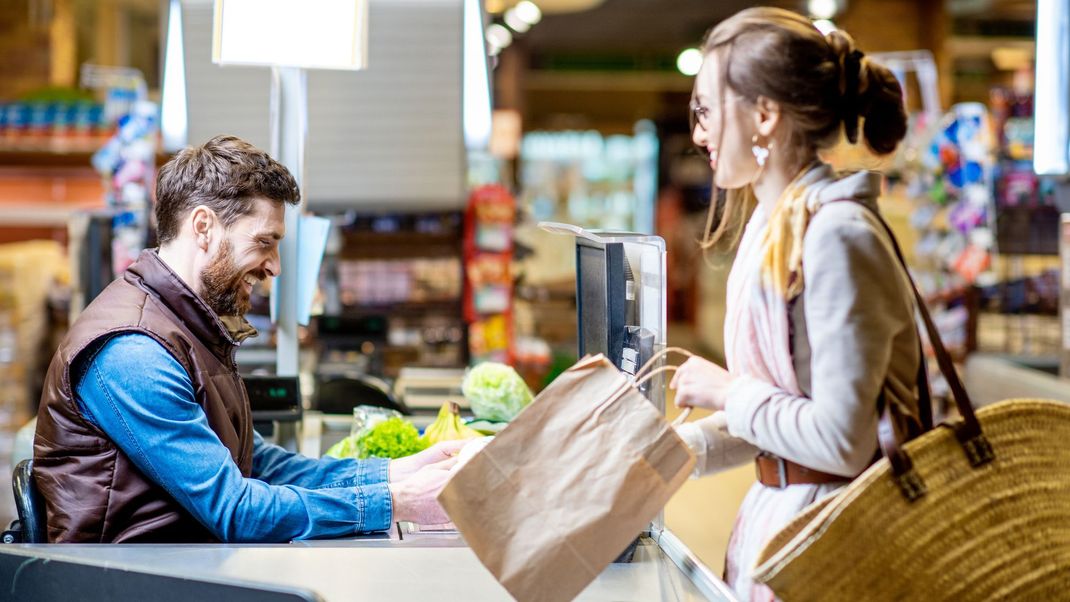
[822, 9]
[513, 20]
[528, 12]
[689, 61]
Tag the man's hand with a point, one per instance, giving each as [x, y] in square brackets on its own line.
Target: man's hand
[701, 383]
[403, 468]
[414, 498]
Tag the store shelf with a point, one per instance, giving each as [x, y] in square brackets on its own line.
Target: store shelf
[365, 245]
[75, 155]
[412, 308]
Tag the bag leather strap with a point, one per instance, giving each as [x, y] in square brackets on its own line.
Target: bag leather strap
[894, 431]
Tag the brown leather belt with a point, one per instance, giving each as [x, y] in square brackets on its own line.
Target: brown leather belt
[774, 471]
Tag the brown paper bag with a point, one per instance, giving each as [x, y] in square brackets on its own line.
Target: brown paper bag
[569, 484]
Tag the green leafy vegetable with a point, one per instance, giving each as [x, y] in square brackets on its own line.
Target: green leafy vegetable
[346, 448]
[391, 438]
[495, 391]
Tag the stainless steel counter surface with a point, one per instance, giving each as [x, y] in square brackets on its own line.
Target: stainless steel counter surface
[421, 567]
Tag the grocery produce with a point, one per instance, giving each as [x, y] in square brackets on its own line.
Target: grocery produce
[448, 426]
[487, 427]
[495, 391]
[346, 448]
[391, 438]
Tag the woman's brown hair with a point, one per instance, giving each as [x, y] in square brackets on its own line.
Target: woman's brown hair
[823, 84]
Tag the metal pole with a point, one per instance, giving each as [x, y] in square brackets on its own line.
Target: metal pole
[289, 129]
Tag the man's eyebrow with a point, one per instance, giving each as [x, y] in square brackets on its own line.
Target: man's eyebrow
[269, 234]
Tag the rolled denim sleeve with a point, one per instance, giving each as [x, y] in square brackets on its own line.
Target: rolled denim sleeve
[143, 400]
[276, 466]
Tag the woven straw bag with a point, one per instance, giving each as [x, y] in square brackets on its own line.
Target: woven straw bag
[974, 510]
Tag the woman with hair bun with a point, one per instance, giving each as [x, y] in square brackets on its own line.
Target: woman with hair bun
[819, 331]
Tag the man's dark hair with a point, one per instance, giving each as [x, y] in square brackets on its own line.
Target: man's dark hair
[225, 174]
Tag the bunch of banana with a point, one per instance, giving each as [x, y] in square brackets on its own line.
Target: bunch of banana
[448, 426]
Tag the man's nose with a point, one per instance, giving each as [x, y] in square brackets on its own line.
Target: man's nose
[273, 265]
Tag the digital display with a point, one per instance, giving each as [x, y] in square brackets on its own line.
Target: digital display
[273, 393]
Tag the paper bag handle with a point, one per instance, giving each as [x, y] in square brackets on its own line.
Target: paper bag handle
[639, 381]
[664, 352]
[682, 418]
[687, 411]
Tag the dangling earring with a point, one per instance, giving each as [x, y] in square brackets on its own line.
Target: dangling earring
[761, 153]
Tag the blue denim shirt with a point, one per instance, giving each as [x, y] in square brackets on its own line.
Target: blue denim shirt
[142, 398]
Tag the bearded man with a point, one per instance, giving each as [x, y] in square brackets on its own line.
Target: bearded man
[144, 431]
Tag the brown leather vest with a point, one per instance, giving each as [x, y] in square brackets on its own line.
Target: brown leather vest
[93, 493]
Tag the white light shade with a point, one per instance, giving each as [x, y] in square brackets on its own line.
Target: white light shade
[477, 104]
[173, 112]
[825, 26]
[515, 22]
[689, 61]
[822, 9]
[1051, 144]
[314, 34]
[498, 36]
[528, 12]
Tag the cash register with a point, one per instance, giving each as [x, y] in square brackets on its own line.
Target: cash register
[275, 401]
[621, 307]
[620, 298]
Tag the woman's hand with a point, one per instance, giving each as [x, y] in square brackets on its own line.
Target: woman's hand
[700, 383]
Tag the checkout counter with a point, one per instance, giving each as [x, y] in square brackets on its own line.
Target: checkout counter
[622, 313]
[395, 566]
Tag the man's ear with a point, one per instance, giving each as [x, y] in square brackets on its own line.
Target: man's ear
[203, 221]
[767, 116]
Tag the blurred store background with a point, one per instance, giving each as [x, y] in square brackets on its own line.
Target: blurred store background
[434, 259]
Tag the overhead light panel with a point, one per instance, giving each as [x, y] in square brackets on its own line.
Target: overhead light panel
[1051, 147]
[330, 34]
[476, 99]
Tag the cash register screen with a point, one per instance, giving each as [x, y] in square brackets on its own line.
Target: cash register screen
[600, 299]
[273, 394]
[591, 285]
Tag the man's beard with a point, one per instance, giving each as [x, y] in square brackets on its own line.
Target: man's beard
[222, 285]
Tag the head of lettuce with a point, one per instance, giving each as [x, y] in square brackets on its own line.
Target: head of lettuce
[495, 391]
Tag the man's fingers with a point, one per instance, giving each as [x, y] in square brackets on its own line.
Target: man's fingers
[442, 464]
[450, 448]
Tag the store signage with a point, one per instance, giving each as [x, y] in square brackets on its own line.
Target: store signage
[313, 34]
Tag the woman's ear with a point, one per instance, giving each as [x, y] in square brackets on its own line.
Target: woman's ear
[766, 117]
[203, 221]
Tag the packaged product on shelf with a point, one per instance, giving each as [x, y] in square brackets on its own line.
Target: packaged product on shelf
[488, 255]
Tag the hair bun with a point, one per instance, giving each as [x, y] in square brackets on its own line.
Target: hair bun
[870, 92]
[881, 107]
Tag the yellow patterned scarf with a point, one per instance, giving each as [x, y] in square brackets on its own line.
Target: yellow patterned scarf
[782, 241]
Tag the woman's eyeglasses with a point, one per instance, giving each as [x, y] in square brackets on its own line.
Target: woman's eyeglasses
[701, 114]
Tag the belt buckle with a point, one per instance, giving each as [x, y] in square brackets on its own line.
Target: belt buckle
[781, 473]
[781, 470]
